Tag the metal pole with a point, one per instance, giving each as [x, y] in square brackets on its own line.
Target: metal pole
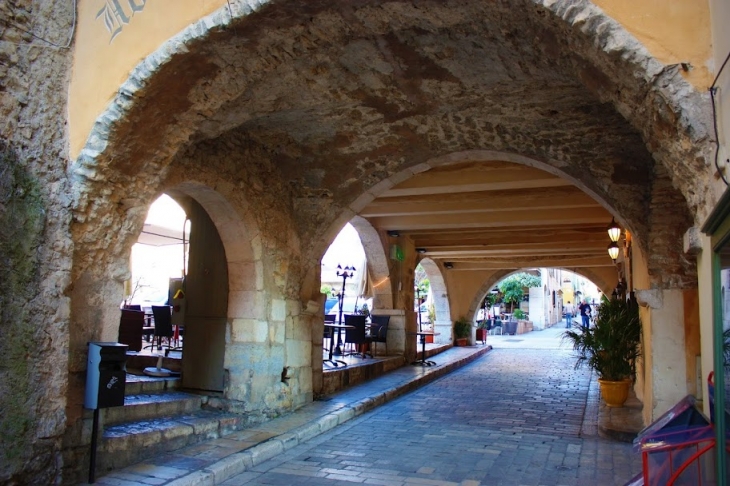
[94, 436]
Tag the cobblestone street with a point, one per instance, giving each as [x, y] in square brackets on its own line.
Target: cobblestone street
[513, 417]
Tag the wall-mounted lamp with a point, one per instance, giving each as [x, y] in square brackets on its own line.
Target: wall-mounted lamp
[393, 233]
[613, 251]
[614, 231]
[448, 265]
[421, 250]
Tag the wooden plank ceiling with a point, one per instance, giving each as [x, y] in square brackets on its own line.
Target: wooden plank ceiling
[495, 215]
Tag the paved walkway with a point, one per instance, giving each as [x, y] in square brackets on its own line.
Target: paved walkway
[519, 415]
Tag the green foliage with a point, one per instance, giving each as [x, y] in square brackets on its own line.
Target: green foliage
[423, 284]
[462, 328]
[512, 288]
[431, 313]
[613, 345]
[519, 314]
[491, 299]
[328, 290]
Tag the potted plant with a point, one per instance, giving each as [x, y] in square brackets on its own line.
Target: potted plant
[611, 347]
[482, 330]
[519, 314]
[462, 331]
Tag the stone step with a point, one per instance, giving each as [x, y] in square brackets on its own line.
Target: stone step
[124, 444]
[144, 406]
[136, 385]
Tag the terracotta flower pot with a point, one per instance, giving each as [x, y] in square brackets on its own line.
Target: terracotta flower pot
[615, 393]
[461, 342]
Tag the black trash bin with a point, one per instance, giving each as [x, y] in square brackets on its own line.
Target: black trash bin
[106, 374]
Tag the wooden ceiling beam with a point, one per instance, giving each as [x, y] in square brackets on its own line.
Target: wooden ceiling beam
[504, 219]
[562, 199]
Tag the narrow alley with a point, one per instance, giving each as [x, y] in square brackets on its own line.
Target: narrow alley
[519, 415]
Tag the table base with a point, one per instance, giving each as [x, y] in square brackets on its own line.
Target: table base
[423, 362]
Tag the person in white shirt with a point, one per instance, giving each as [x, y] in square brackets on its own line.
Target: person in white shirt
[568, 308]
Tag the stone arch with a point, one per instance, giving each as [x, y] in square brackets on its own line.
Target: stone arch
[440, 300]
[377, 262]
[240, 246]
[501, 275]
[577, 36]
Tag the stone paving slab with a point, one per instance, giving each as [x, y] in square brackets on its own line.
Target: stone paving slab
[553, 407]
[482, 425]
[213, 461]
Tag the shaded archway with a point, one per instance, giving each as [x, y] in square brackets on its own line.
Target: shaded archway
[377, 262]
[440, 295]
[337, 106]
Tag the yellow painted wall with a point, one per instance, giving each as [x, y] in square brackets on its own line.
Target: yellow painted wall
[672, 30]
[463, 287]
[102, 64]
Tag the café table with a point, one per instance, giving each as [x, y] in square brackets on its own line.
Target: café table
[332, 326]
[422, 334]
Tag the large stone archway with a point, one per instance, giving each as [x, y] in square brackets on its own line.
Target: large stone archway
[313, 118]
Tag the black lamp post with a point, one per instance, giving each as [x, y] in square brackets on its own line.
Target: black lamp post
[348, 272]
[418, 308]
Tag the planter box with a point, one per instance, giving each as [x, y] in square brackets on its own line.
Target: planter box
[461, 342]
[524, 327]
[482, 335]
[510, 327]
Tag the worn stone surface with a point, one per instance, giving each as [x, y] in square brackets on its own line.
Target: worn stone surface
[337, 100]
[285, 121]
[35, 244]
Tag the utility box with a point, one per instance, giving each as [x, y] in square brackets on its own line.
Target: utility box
[106, 374]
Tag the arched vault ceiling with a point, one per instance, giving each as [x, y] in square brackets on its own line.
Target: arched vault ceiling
[331, 98]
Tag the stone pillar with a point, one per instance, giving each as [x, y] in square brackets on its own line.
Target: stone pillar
[671, 332]
[444, 328]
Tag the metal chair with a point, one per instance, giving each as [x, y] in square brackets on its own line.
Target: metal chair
[355, 336]
[378, 332]
[131, 326]
[496, 326]
[162, 315]
[328, 332]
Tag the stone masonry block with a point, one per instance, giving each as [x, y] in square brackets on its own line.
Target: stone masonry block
[249, 331]
[246, 304]
[242, 276]
[298, 353]
[278, 310]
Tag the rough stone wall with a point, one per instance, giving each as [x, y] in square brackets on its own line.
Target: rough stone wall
[34, 244]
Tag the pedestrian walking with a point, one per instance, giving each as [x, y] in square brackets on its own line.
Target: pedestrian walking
[585, 313]
[569, 311]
